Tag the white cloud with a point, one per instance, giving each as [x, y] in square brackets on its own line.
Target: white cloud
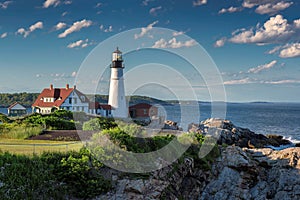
[74, 74]
[80, 43]
[199, 2]
[77, 26]
[267, 6]
[153, 11]
[230, 10]
[98, 5]
[297, 23]
[248, 5]
[287, 51]
[220, 42]
[287, 81]
[274, 50]
[25, 33]
[68, 2]
[3, 35]
[64, 14]
[145, 30]
[239, 81]
[49, 3]
[248, 80]
[175, 34]
[55, 3]
[60, 25]
[260, 68]
[275, 30]
[106, 30]
[290, 51]
[173, 43]
[5, 4]
[271, 8]
[146, 2]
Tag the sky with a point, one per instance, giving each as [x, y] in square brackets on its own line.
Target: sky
[253, 44]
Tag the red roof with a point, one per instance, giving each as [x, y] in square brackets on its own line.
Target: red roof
[141, 106]
[59, 95]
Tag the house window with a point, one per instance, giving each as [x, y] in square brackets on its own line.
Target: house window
[82, 98]
[145, 112]
[75, 100]
[70, 100]
[77, 108]
[82, 108]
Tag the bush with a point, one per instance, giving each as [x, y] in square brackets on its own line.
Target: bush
[59, 120]
[51, 176]
[63, 114]
[92, 125]
[4, 118]
[99, 123]
[27, 178]
[80, 171]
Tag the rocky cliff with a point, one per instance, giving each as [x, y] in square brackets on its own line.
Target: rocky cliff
[240, 172]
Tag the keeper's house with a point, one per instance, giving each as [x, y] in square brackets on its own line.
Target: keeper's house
[16, 110]
[67, 98]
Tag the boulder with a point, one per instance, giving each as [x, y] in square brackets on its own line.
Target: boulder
[170, 125]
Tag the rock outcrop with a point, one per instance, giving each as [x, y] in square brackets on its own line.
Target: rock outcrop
[228, 133]
[239, 173]
[255, 174]
[244, 170]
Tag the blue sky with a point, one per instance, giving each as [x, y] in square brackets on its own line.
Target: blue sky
[255, 44]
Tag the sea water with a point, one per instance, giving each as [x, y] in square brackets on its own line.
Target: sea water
[265, 118]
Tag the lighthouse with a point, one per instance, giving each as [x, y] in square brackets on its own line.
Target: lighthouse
[116, 97]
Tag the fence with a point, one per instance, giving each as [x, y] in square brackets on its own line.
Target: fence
[36, 148]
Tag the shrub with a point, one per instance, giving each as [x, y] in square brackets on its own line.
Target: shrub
[99, 123]
[4, 118]
[27, 178]
[63, 114]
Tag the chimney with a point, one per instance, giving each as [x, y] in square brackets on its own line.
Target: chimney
[74, 87]
[67, 86]
[51, 87]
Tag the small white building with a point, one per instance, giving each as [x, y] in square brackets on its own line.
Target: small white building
[67, 98]
[16, 109]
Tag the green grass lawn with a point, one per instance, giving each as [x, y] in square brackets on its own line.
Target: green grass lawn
[30, 147]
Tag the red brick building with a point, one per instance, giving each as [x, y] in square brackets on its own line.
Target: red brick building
[143, 110]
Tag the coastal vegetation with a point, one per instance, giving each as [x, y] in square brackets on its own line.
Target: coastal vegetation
[27, 99]
[73, 172]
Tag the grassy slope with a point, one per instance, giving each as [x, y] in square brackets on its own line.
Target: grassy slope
[29, 147]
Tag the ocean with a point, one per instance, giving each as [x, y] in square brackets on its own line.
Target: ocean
[265, 118]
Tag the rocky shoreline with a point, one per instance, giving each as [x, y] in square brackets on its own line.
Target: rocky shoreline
[227, 133]
[245, 169]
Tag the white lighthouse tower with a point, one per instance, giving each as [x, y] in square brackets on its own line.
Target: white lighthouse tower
[116, 97]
